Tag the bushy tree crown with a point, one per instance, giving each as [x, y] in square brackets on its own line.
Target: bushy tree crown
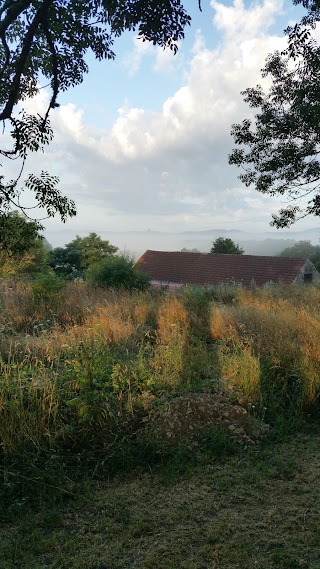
[279, 150]
[226, 246]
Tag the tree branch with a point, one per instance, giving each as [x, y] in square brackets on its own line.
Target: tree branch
[55, 79]
[14, 10]
[20, 65]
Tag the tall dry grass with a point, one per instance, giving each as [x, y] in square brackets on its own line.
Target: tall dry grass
[81, 369]
[269, 346]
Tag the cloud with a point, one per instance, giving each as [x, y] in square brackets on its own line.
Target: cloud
[170, 167]
[236, 21]
[133, 59]
[201, 112]
[165, 60]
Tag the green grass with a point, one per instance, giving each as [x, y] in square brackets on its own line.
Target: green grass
[256, 508]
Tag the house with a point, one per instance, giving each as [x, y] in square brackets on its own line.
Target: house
[175, 269]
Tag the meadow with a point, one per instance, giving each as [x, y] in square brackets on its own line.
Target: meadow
[137, 398]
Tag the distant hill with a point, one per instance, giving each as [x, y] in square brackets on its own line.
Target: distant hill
[136, 242]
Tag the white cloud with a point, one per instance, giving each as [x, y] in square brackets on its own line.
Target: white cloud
[238, 22]
[199, 42]
[198, 116]
[171, 167]
[132, 61]
[166, 61]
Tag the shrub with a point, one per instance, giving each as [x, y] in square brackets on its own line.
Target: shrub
[117, 273]
[47, 286]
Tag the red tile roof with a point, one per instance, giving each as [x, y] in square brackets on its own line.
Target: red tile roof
[208, 268]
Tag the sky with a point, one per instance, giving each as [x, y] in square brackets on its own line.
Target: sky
[142, 144]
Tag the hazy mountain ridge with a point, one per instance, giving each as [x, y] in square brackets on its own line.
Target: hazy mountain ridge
[136, 242]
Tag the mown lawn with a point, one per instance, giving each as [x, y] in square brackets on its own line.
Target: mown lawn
[259, 508]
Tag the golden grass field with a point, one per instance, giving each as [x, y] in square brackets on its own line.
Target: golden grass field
[157, 430]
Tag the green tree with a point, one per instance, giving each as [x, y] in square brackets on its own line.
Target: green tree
[50, 39]
[280, 148]
[22, 248]
[304, 249]
[65, 262]
[93, 249]
[117, 272]
[77, 256]
[226, 246]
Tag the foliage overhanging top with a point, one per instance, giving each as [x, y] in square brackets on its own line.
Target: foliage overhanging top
[45, 42]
